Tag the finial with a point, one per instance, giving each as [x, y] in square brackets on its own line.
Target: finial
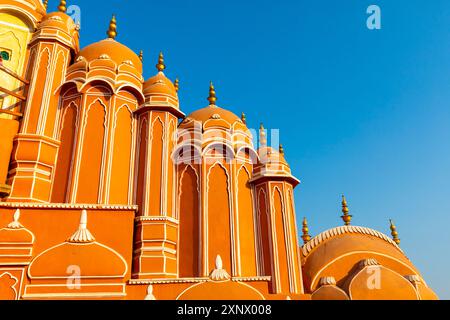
[347, 218]
[15, 224]
[62, 6]
[219, 273]
[141, 55]
[281, 150]
[244, 118]
[306, 237]
[150, 295]
[262, 136]
[82, 235]
[112, 31]
[212, 95]
[394, 232]
[161, 66]
[45, 3]
[177, 84]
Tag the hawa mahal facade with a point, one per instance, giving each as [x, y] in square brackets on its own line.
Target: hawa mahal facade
[109, 191]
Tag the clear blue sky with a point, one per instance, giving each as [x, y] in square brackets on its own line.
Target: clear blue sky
[365, 113]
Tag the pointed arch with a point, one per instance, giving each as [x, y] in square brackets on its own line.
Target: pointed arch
[93, 145]
[156, 166]
[281, 240]
[189, 217]
[246, 224]
[265, 234]
[121, 149]
[141, 161]
[69, 125]
[218, 216]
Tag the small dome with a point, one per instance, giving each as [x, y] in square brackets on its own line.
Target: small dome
[60, 21]
[159, 85]
[213, 112]
[116, 51]
[270, 155]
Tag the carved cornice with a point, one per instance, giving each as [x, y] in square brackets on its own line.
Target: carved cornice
[24, 205]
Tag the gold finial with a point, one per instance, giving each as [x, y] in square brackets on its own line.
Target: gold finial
[281, 150]
[112, 31]
[62, 6]
[347, 218]
[244, 118]
[394, 232]
[306, 237]
[212, 95]
[262, 136]
[161, 66]
[177, 84]
[141, 55]
[45, 3]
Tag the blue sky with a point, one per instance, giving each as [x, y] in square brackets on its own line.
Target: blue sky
[361, 112]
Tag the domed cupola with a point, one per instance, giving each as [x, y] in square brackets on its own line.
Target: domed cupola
[159, 91]
[216, 126]
[108, 60]
[60, 26]
[272, 162]
[213, 116]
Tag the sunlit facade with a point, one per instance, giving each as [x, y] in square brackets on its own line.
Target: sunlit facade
[109, 191]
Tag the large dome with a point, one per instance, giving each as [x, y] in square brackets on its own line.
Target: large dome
[118, 52]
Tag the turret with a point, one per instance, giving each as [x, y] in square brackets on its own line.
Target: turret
[35, 151]
[157, 224]
[273, 185]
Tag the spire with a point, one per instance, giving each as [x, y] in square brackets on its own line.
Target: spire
[62, 6]
[347, 218]
[244, 118]
[15, 224]
[82, 235]
[141, 55]
[394, 232]
[161, 66]
[212, 95]
[177, 84]
[281, 150]
[112, 31]
[262, 136]
[45, 3]
[306, 237]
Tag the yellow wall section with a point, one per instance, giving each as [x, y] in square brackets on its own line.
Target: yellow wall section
[15, 34]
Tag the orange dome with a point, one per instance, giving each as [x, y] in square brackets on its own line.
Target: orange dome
[93, 259]
[336, 251]
[118, 52]
[213, 112]
[159, 85]
[60, 21]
